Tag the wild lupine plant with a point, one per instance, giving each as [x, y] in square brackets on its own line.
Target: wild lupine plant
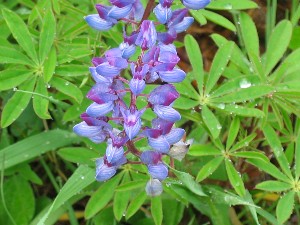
[156, 63]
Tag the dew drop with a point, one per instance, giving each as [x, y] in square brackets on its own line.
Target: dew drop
[244, 83]
[15, 89]
[219, 127]
[67, 83]
[221, 106]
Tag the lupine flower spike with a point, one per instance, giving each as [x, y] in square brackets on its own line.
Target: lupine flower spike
[157, 62]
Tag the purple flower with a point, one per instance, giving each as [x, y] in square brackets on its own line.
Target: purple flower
[163, 95]
[106, 170]
[137, 83]
[195, 4]
[179, 21]
[157, 169]
[147, 35]
[154, 187]
[113, 153]
[98, 23]
[166, 3]
[162, 135]
[132, 121]
[127, 50]
[163, 14]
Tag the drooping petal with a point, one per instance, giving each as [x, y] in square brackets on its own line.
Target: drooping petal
[83, 129]
[118, 13]
[166, 113]
[173, 76]
[153, 133]
[159, 144]
[179, 150]
[174, 135]
[98, 78]
[107, 70]
[163, 14]
[167, 37]
[137, 86]
[184, 24]
[127, 50]
[151, 157]
[163, 95]
[96, 110]
[163, 125]
[154, 187]
[158, 171]
[198, 4]
[147, 35]
[121, 3]
[133, 130]
[98, 23]
[114, 154]
[166, 3]
[119, 163]
[104, 172]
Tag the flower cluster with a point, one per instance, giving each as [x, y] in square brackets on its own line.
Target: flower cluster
[156, 62]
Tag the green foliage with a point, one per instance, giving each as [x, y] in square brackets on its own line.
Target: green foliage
[242, 112]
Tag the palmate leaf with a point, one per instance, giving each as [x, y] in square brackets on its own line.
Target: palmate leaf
[273, 186]
[209, 168]
[235, 178]
[135, 204]
[47, 35]
[11, 78]
[285, 207]
[218, 19]
[156, 210]
[232, 5]
[211, 121]
[20, 32]
[40, 104]
[11, 55]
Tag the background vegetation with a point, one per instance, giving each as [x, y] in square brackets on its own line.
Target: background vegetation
[239, 103]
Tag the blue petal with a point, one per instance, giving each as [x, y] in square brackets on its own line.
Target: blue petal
[98, 23]
[98, 78]
[175, 135]
[158, 171]
[137, 86]
[160, 144]
[103, 172]
[183, 25]
[151, 157]
[163, 14]
[132, 131]
[118, 13]
[120, 162]
[82, 129]
[166, 113]
[122, 3]
[114, 154]
[163, 95]
[199, 4]
[173, 76]
[154, 187]
[106, 70]
[96, 110]
[127, 50]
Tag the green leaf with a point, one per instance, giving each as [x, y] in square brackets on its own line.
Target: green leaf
[244, 94]
[251, 155]
[189, 182]
[209, 168]
[156, 210]
[231, 5]
[121, 199]
[20, 32]
[80, 179]
[295, 41]
[40, 104]
[17, 104]
[11, 78]
[198, 17]
[102, 196]
[47, 35]
[49, 65]
[235, 178]
[19, 200]
[233, 131]
[173, 211]
[11, 55]
[243, 143]
[78, 155]
[185, 103]
[218, 19]
[297, 156]
[273, 186]
[67, 88]
[244, 111]
[135, 204]
[202, 150]
[249, 34]
[195, 57]
[34, 146]
[211, 122]
[131, 185]
[276, 146]
[219, 63]
[269, 168]
[72, 70]
[280, 37]
[285, 207]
